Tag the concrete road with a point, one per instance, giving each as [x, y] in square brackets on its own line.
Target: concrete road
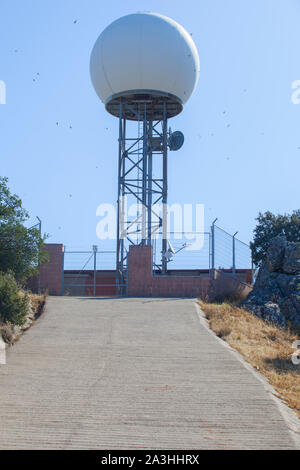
[132, 374]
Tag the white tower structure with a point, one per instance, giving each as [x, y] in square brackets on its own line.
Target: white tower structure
[144, 68]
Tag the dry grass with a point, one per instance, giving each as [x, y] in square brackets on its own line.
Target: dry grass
[37, 302]
[12, 333]
[265, 346]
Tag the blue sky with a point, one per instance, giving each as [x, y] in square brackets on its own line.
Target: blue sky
[237, 163]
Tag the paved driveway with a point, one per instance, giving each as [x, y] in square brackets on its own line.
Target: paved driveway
[131, 373]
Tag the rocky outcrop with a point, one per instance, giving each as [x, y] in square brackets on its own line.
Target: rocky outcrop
[276, 293]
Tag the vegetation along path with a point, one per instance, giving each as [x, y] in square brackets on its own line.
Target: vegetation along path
[133, 373]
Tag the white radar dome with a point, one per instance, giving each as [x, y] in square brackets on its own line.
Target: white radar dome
[145, 55]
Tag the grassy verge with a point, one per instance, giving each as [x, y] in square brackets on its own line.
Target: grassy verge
[266, 347]
[12, 333]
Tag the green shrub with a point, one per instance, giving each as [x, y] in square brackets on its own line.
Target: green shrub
[13, 302]
[21, 248]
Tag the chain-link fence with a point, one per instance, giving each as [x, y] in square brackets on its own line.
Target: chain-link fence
[186, 251]
[229, 254]
[90, 272]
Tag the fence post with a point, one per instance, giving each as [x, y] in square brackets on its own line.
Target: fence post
[95, 249]
[213, 247]
[252, 268]
[209, 253]
[63, 271]
[233, 254]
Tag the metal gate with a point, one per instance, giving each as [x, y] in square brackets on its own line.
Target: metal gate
[91, 273]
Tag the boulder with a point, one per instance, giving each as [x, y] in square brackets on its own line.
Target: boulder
[276, 293]
[291, 262]
[276, 253]
[271, 312]
[290, 307]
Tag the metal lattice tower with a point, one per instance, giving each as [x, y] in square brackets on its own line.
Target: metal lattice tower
[142, 174]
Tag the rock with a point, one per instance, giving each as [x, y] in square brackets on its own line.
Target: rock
[276, 293]
[254, 308]
[290, 307]
[263, 277]
[271, 312]
[291, 263]
[276, 253]
[265, 290]
[288, 284]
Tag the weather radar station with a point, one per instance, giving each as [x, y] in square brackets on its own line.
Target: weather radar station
[144, 68]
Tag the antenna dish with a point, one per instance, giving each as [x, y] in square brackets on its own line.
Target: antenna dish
[171, 249]
[168, 255]
[176, 140]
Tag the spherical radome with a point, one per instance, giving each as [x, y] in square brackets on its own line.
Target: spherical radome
[144, 52]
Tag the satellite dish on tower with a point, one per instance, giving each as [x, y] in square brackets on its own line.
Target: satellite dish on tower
[175, 140]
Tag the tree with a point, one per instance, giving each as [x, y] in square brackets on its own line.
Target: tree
[269, 226]
[20, 247]
[13, 302]
[10, 205]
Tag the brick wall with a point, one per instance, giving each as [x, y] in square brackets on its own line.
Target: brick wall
[51, 272]
[142, 282]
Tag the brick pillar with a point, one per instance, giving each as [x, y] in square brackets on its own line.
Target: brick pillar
[140, 271]
[51, 272]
